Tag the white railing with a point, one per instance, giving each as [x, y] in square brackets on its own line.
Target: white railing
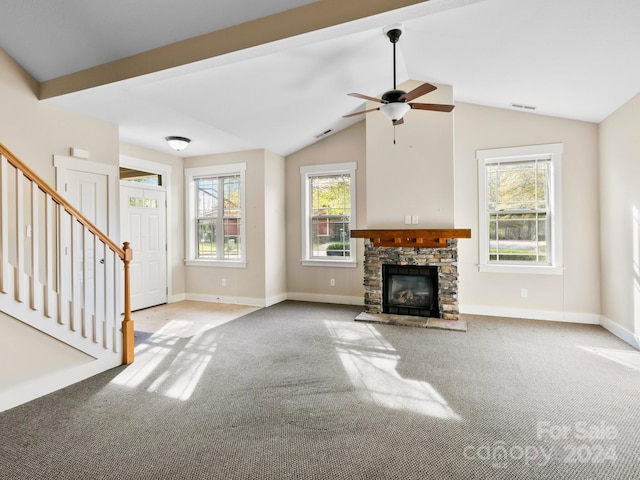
[58, 272]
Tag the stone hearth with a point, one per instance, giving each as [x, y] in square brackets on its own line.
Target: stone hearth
[438, 248]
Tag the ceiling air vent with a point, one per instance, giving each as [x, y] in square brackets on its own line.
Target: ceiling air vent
[325, 133]
[522, 106]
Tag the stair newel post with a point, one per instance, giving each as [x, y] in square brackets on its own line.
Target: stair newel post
[127, 323]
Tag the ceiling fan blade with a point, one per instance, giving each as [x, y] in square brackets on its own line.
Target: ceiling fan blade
[436, 107]
[418, 92]
[366, 97]
[360, 113]
[400, 121]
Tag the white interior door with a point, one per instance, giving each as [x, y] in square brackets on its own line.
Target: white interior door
[88, 192]
[86, 186]
[144, 226]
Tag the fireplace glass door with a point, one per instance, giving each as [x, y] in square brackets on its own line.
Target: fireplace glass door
[410, 290]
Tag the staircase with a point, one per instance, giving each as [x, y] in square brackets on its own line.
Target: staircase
[60, 274]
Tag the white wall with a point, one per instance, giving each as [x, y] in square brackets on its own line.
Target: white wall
[620, 221]
[275, 226]
[574, 296]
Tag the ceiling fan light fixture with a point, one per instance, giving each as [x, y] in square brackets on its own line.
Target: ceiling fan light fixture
[178, 143]
[395, 111]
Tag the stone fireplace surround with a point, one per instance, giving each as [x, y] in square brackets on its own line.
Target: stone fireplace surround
[438, 248]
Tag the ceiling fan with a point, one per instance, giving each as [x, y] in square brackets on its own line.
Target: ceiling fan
[395, 103]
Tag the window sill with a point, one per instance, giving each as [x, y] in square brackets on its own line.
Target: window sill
[522, 269]
[216, 263]
[329, 263]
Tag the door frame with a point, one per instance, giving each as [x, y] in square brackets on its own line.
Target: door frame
[165, 171]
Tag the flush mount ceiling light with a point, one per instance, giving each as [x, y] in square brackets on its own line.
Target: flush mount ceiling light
[178, 143]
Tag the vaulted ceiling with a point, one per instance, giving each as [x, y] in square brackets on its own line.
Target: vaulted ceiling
[237, 75]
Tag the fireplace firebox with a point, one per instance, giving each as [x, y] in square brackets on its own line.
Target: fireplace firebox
[410, 290]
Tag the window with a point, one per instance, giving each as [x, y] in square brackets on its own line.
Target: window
[328, 214]
[139, 176]
[215, 220]
[520, 210]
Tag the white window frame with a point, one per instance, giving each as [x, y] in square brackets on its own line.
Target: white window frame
[306, 173]
[191, 175]
[552, 151]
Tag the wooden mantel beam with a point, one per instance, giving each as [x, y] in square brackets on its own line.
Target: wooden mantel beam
[426, 238]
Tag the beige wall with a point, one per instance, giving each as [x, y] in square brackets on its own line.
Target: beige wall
[576, 294]
[620, 221]
[34, 131]
[391, 183]
[43, 356]
[246, 285]
[313, 282]
[414, 176]
[418, 176]
[175, 213]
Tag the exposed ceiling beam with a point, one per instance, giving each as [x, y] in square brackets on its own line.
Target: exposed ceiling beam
[297, 21]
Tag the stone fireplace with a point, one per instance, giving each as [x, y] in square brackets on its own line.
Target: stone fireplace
[430, 256]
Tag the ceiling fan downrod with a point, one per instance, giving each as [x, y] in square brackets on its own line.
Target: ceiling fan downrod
[395, 103]
[394, 36]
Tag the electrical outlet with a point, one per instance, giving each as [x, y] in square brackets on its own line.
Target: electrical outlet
[523, 292]
[332, 282]
[224, 282]
[414, 219]
[407, 219]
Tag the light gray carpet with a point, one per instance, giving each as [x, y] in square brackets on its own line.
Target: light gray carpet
[301, 391]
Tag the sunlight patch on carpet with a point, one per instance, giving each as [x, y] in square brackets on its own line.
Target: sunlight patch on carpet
[628, 358]
[180, 378]
[371, 363]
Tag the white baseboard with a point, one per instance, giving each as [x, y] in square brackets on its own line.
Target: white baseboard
[176, 298]
[273, 300]
[321, 298]
[38, 387]
[201, 297]
[621, 332]
[549, 315]
[269, 301]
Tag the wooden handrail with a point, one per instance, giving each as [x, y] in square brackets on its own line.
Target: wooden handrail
[55, 196]
[125, 253]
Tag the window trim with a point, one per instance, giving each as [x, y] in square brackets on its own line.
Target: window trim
[553, 151]
[191, 174]
[306, 172]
